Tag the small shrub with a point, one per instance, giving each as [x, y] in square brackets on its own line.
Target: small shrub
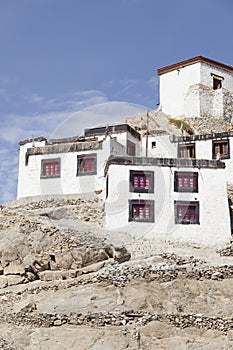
[178, 122]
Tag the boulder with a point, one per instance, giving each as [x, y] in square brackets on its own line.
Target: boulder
[8, 255]
[77, 256]
[63, 261]
[92, 267]
[14, 279]
[36, 264]
[57, 275]
[121, 254]
[14, 268]
[3, 282]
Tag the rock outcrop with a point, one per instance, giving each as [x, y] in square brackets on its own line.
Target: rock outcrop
[65, 284]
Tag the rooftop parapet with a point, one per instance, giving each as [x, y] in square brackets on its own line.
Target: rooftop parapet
[189, 138]
[102, 130]
[168, 162]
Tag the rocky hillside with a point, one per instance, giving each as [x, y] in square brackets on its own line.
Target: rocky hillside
[158, 122]
[66, 283]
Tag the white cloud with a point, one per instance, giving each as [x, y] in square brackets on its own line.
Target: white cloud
[153, 82]
[51, 113]
[35, 98]
[69, 102]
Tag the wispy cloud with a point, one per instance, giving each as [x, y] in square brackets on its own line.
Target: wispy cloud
[50, 114]
[153, 82]
[69, 102]
[134, 90]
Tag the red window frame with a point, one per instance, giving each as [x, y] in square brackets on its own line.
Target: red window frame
[185, 181]
[141, 181]
[50, 168]
[141, 210]
[186, 212]
[221, 149]
[86, 164]
[186, 151]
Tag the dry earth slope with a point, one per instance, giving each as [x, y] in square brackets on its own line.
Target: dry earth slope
[66, 283]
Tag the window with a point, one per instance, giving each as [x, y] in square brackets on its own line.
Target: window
[185, 181]
[141, 211]
[153, 144]
[131, 148]
[217, 81]
[141, 181]
[87, 164]
[50, 168]
[186, 212]
[221, 149]
[186, 151]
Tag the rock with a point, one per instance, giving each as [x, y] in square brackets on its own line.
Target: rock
[30, 276]
[14, 279]
[57, 275]
[92, 268]
[217, 276]
[63, 261]
[36, 264]
[14, 268]
[77, 257]
[29, 307]
[102, 255]
[57, 323]
[8, 255]
[3, 282]
[121, 254]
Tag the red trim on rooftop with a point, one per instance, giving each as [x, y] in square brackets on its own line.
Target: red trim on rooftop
[192, 61]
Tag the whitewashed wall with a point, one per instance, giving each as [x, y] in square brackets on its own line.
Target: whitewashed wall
[188, 91]
[174, 86]
[163, 149]
[203, 149]
[30, 183]
[214, 225]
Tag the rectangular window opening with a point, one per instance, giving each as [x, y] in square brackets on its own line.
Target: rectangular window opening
[217, 81]
[141, 210]
[186, 151]
[153, 144]
[221, 149]
[141, 181]
[185, 181]
[86, 164]
[131, 148]
[186, 212]
[50, 168]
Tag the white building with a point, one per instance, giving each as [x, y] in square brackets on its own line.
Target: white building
[196, 87]
[160, 185]
[168, 198]
[72, 165]
[208, 146]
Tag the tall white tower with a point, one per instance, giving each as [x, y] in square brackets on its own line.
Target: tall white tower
[197, 87]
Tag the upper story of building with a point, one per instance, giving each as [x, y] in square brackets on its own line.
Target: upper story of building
[196, 87]
[75, 164]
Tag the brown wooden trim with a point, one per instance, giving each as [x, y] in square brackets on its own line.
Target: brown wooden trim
[192, 61]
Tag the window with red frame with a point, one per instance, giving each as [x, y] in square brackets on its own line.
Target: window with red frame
[50, 168]
[185, 181]
[86, 164]
[141, 181]
[186, 212]
[221, 149]
[141, 210]
[186, 151]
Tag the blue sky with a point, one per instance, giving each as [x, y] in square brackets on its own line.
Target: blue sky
[60, 56]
